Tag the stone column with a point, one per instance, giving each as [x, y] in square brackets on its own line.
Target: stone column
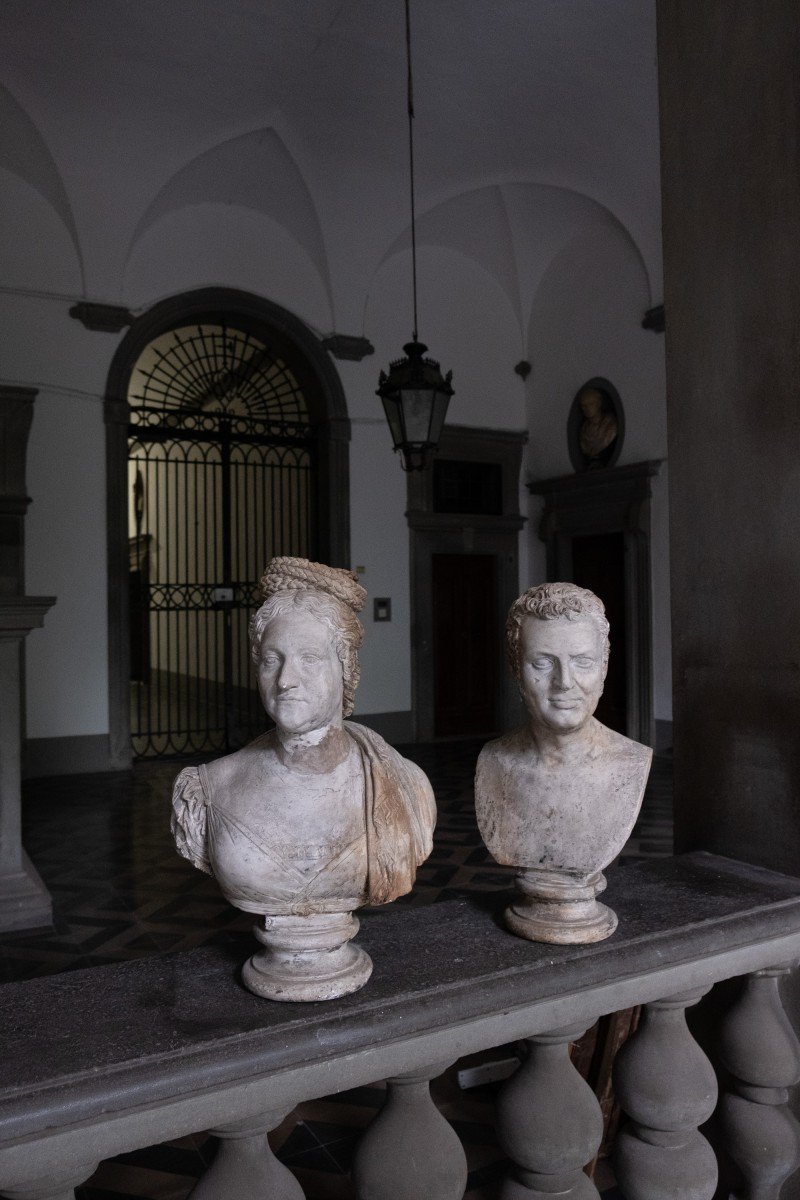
[667, 1087]
[24, 900]
[759, 1048]
[245, 1165]
[732, 294]
[410, 1151]
[549, 1123]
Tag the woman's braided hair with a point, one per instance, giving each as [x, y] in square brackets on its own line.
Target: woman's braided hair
[334, 596]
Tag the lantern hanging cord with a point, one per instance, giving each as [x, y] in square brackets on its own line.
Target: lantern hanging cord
[410, 91]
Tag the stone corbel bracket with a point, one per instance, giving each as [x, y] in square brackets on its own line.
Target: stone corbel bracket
[101, 318]
[345, 346]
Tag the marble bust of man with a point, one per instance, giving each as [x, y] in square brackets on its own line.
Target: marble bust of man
[317, 816]
[558, 797]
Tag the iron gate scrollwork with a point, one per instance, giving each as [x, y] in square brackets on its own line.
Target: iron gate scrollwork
[221, 463]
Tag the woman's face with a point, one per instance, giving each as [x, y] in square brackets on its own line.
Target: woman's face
[299, 673]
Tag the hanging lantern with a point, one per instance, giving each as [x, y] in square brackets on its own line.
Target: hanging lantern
[415, 394]
[415, 397]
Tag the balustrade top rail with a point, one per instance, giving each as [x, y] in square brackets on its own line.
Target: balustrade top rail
[171, 1044]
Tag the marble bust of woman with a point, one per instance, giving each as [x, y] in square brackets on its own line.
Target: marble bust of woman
[558, 797]
[318, 816]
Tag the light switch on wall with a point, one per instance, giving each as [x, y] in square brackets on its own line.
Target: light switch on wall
[381, 608]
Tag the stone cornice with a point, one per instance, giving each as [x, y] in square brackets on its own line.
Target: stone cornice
[20, 614]
[425, 520]
[608, 478]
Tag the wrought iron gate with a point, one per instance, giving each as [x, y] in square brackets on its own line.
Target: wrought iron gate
[221, 462]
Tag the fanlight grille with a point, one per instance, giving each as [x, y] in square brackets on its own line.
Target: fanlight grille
[216, 368]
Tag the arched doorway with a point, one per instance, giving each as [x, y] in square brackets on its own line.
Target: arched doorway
[227, 445]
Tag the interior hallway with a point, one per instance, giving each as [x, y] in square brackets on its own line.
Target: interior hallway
[120, 891]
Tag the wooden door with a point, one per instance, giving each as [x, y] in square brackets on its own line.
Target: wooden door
[465, 644]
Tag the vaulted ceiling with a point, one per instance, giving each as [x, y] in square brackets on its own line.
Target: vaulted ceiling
[533, 118]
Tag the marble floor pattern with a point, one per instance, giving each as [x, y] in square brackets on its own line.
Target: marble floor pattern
[120, 891]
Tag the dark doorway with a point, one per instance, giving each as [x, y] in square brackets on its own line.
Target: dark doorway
[598, 563]
[597, 528]
[464, 643]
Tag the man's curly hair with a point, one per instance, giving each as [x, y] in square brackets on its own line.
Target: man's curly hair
[548, 601]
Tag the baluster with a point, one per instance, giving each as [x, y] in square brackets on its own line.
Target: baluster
[667, 1087]
[58, 1186]
[549, 1123]
[410, 1151]
[757, 1045]
[245, 1167]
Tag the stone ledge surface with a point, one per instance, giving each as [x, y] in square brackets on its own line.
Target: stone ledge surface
[93, 1042]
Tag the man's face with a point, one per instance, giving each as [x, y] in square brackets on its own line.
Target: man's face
[299, 674]
[591, 403]
[561, 671]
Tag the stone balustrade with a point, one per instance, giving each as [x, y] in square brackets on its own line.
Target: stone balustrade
[104, 1061]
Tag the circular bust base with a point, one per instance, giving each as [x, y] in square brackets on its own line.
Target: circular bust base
[560, 907]
[273, 983]
[307, 958]
[537, 924]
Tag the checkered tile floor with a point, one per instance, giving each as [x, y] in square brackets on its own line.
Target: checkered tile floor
[102, 846]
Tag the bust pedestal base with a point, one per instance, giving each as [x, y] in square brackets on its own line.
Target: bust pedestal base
[559, 907]
[307, 958]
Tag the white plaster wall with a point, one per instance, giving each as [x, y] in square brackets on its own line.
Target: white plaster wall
[229, 246]
[65, 529]
[44, 347]
[37, 251]
[67, 660]
[468, 325]
[380, 552]
[586, 321]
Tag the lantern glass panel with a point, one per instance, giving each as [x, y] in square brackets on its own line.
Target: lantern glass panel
[391, 407]
[440, 403]
[417, 403]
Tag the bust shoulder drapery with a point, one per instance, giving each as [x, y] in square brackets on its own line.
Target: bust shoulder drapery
[399, 814]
